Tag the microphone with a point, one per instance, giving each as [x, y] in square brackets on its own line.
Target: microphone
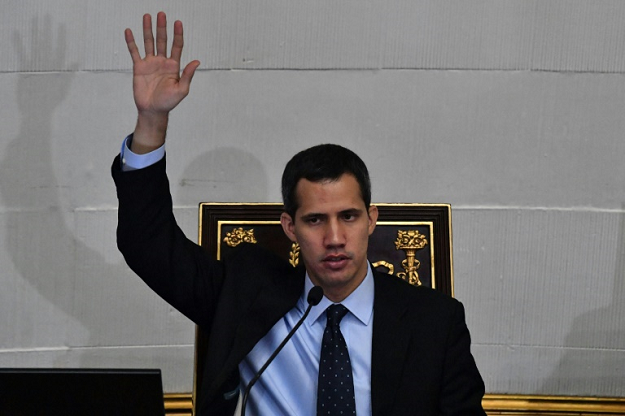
[314, 297]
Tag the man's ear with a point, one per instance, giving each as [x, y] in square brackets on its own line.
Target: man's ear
[288, 226]
[373, 218]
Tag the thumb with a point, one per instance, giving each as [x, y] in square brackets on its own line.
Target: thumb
[187, 75]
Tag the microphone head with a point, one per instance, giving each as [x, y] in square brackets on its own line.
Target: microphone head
[315, 295]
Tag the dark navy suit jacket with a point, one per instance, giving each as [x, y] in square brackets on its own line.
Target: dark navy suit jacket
[421, 362]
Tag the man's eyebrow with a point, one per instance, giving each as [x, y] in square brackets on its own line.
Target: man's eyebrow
[352, 211]
[349, 211]
[311, 215]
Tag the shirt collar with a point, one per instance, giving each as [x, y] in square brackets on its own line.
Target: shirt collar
[359, 302]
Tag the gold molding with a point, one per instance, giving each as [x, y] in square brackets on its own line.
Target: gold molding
[494, 404]
[178, 404]
[516, 404]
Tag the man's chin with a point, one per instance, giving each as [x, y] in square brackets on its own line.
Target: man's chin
[329, 281]
[336, 279]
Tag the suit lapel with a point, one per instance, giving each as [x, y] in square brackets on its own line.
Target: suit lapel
[390, 344]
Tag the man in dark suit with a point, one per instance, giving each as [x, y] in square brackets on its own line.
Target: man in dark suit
[407, 349]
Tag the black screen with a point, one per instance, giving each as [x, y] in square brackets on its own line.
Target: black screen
[94, 392]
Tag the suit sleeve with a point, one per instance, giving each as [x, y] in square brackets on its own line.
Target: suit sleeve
[462, 388]
[157, 250]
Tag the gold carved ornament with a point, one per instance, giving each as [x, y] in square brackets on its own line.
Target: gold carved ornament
[238, 236]
[294, 255]
[410, 241]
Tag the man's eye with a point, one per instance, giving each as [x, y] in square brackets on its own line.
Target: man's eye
[349, 217]
[312, 220]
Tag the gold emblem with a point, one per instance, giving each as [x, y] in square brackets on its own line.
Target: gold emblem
[410, 241]
[238, 236]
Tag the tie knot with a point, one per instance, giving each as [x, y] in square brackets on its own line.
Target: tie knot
[335, 313]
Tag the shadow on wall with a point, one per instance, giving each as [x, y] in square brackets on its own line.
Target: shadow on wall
[42, 246]
[90, 303]
[579, 372]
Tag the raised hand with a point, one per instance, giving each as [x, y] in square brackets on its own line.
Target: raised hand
[158, 85]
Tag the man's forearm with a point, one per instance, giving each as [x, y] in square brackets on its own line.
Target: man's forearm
[150, 132]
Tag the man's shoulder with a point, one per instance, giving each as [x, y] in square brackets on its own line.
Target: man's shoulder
[393, 287]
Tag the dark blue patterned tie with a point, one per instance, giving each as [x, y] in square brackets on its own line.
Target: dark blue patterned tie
[335, 391]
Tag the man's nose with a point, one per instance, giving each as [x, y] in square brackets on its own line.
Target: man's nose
[335, 235]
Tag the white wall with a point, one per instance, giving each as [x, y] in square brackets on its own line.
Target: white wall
[509, 110]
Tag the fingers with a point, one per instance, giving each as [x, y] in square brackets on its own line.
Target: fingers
[132, 46]
[161, 38]
[161, 34]
[148, 36]
[187, 75]
[178, 43]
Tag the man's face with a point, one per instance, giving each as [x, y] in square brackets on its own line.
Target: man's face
[332, 227]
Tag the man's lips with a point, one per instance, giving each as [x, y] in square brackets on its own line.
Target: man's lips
[335, 261]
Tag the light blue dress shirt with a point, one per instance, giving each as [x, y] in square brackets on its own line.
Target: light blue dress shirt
[289, 385]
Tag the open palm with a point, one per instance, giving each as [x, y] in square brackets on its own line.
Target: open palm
[158, 85]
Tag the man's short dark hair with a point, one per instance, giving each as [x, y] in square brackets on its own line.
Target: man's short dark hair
[320, 163]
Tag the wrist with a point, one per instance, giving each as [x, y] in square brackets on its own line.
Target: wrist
[150, 132]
